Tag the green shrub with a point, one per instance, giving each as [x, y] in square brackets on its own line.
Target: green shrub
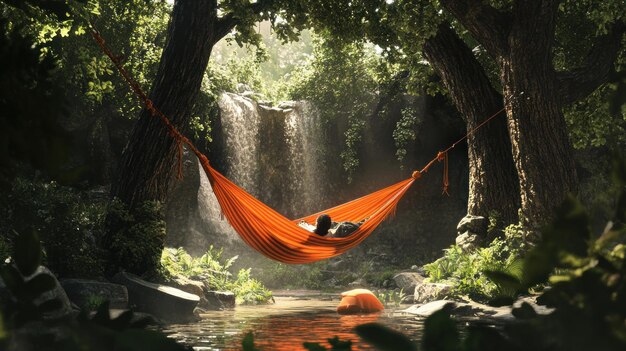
[465, 270]
[66, 220]
[214, 271]
[135, 238]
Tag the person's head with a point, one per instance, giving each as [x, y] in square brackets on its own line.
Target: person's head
[322, 224]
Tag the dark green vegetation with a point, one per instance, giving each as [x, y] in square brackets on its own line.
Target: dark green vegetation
[556, 67]
[27, 321]
[586, 275]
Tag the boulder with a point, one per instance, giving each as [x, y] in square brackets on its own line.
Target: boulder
[427, 292]
[358, 283]
[65, 308]
[188, 285]
[407, 281]
[162, 301]
[473, 224]
[468, 241]
[82, 291]
[463, 310]
[217, 300]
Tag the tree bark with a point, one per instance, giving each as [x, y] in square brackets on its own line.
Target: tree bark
[149, 157]
[541, 148]
[493, 182]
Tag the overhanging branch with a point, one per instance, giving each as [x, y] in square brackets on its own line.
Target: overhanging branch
[487, 25]
[580, 82]
[227, 23]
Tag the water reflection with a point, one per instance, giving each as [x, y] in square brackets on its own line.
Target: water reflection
[285, 325]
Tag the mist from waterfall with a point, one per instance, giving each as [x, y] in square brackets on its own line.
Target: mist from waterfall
[305, 139]
[274, 153]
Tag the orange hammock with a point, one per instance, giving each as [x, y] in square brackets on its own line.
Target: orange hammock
[269, 232]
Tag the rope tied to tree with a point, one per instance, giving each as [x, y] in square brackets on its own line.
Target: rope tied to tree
[442, 156]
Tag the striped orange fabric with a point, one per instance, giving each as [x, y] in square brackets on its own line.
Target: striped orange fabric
[266, 230]
[281, 239]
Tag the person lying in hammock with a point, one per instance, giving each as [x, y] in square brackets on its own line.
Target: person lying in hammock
[324, 226]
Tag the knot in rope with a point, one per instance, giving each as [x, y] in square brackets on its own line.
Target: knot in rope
[441, 155]
[416, 175]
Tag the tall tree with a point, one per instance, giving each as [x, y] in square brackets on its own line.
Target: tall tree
[519, 39]
[148, 161]
[493, 183]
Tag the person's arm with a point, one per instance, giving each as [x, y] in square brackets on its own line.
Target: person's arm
[306, 226]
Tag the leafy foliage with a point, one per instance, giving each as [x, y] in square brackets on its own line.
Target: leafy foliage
[465, 271]
[136, 239]
[214, 271]
[340, 80]
[391, 297]
[68, 221]
[26, 314]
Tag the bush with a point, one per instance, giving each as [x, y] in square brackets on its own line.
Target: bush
[465, 270]
[135, 238]
[211, 268]
[67, 222]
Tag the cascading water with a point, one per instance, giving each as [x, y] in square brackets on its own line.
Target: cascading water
[241, 122]
[305, 139]
[274, 153]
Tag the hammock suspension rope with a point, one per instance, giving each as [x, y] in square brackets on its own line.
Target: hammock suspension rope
[266, 230]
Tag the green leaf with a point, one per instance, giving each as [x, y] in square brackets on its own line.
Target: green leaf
[123, 321]
[384, 338]
[340, 345]
[501, 301]
[538, 264]
[482, 338]
[440, 331]
[525, 311]
[248, 342]
[27, 254]
[102, 316]
[504, 280]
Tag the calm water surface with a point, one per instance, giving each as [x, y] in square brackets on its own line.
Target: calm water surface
[285, 325]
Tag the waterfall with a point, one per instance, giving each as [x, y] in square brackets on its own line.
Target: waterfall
[306, 145]
[241, 122]
[274, 153]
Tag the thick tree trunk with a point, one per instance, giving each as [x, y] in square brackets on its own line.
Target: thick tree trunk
[541, 147]
[135, 236]
[493, 182]
[149, 158]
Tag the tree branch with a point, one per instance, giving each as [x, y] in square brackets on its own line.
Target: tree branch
[226, 23]
[576, 84]
[487, 25]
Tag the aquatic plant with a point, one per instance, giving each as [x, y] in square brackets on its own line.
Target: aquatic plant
[391, 297]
